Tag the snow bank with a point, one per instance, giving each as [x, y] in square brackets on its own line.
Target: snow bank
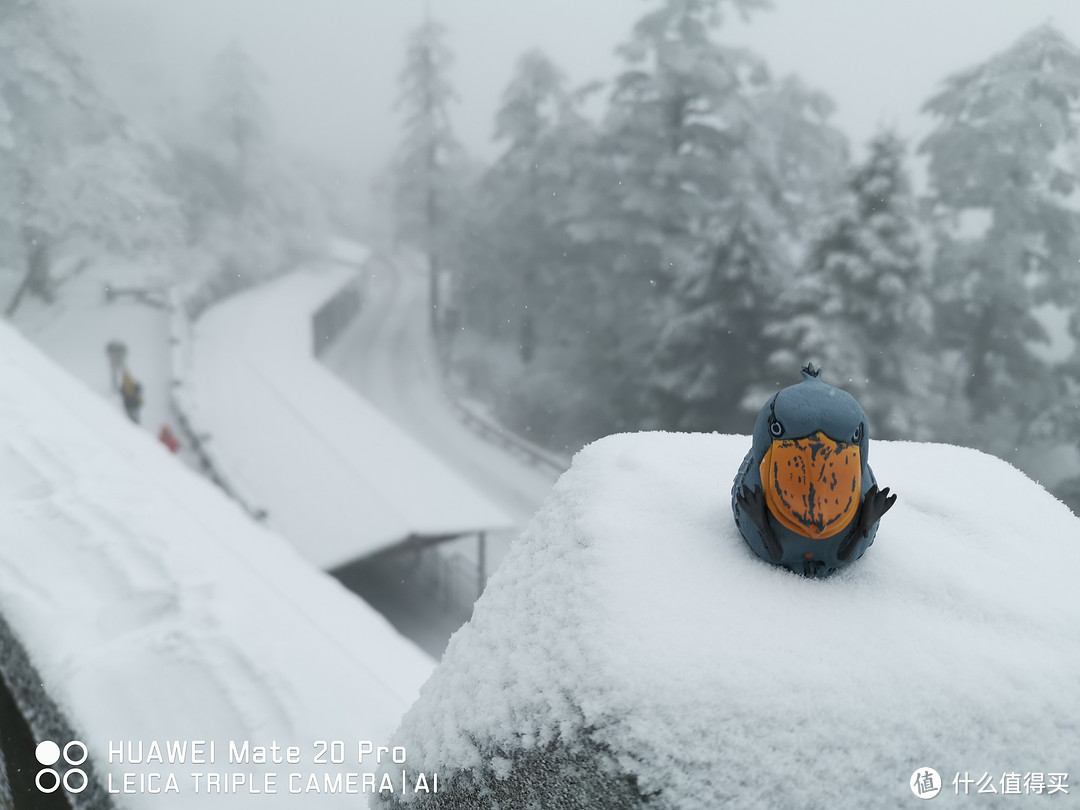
[338, 479]
[154, 609]
[631, 644]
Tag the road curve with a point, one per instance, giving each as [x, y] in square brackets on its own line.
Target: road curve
[387, 356]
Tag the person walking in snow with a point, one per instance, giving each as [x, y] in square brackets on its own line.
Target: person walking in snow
[117, 353]
[131, 393]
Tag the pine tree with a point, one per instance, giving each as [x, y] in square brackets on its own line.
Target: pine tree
[862, 306]
[237, 124]
[665, 173]
[536, 124]
[244, 208]
[1002, 186]
[1057, 428]
[41, 84]
[712, 350]
[712, 167]
[678, 114]
[427, 150]
[528, 305]
[800, 160]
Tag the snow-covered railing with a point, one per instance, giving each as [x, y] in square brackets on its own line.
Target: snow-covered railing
[484, 425]
[186, 409]
[328, 321]
[331, 319]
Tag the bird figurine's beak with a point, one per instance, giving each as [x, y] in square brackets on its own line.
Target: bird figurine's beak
[812, 485]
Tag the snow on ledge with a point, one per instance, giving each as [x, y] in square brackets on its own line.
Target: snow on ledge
[631, 643]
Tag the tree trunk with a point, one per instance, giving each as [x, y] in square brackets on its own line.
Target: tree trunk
[978, 386]
[38, 278]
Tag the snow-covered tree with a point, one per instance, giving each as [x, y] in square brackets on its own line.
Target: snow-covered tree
[714, 346]
[72, 169]
[248, 215]
[861, 307]
[664, 174]
[42, 84]
[800, 160]
[1002, 184]
[678, 113]
[660, 236]
[709, 167]
[428, 151]
[520, 281]
[237, 124]
[524, 284]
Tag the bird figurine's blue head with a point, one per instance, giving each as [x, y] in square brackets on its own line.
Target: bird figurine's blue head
[805, 496]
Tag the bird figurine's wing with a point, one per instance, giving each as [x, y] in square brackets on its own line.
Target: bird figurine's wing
[875, 503]
[752, 502]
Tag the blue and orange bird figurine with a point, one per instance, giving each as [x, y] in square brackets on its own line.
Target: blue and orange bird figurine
[805, 496]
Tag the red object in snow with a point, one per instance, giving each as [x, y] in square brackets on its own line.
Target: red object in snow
[168, 438]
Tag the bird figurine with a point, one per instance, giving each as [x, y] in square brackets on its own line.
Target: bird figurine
[805, 497]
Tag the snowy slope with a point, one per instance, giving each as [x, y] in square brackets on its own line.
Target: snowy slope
[339, 479]
[75, 329]
[154, 609]
[631, 631]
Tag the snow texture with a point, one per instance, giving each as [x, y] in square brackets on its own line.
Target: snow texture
[154, 609]
[356, 484]
[631, 642]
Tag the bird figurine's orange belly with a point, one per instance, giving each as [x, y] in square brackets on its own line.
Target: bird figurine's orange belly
[812, 485]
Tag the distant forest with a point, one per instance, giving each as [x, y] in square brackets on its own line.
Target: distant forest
[664, 250]
[659, 251]
[82, 180]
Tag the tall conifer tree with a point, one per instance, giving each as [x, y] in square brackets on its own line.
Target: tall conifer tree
[1001, 182]
[861, 307]
[427, 148]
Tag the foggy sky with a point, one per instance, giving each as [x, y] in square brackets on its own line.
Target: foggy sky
[332, 65]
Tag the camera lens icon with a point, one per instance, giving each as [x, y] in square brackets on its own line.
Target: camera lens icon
[48, 779]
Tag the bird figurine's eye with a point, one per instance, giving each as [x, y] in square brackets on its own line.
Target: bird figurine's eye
[776, 429]
[856, 437]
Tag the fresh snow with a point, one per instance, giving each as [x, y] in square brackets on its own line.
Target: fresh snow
[153, 608]
[632, 612]
[347, 252]
[75, 329]
[337, 478]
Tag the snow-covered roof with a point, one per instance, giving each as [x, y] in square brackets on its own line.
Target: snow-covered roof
[151, 605]
[632, 632]
[337, 477]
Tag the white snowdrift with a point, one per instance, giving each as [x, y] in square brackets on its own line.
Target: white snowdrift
[338, 478]
[346, 252]
[154, 609]
[632, 613]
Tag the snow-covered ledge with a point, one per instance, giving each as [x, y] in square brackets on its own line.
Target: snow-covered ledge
[631, 645]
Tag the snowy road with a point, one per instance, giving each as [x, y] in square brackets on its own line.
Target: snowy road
[387, 356]
[272, 411]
